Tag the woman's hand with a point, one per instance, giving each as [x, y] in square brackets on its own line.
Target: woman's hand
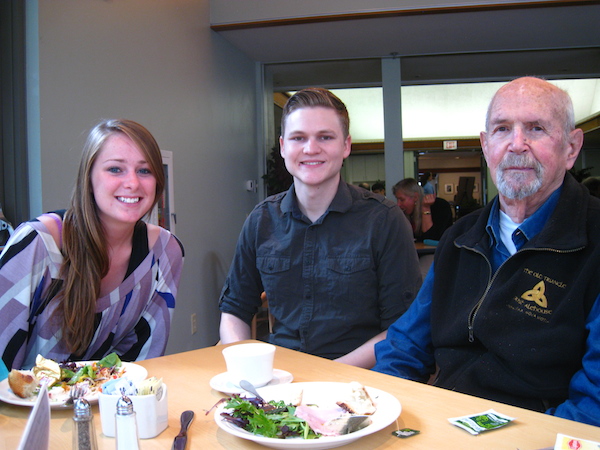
[426, 219]
[428, 200]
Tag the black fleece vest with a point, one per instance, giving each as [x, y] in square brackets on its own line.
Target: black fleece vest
[517, 336]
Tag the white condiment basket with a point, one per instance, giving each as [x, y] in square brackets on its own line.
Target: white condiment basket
[151, 413]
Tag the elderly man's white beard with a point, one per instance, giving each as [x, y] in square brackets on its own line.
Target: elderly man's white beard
[517, 185]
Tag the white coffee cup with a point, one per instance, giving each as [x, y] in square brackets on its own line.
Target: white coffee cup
[252, 362]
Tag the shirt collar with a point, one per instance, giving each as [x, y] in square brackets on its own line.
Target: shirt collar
[342, 201]
[529, 228]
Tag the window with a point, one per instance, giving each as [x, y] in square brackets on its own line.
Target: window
[14, 191]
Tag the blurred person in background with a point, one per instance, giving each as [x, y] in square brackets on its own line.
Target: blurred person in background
[429, 215]
[427, 183]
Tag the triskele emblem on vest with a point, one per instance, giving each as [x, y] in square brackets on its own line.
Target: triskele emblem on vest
[537, 295]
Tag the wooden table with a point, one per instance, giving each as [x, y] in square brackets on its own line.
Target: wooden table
[423, 249]
[425, 254]
[425, 408]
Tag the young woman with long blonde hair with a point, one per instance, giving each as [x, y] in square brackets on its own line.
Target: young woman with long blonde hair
[94, 279]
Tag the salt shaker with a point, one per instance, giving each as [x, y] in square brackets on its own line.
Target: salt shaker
[125, 425]
[84, 435]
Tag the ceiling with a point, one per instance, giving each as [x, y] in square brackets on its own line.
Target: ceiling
[559, 40]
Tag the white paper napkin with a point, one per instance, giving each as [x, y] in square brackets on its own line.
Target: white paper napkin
[37, 431]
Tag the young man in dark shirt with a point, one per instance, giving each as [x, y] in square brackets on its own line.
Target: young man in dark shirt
[337, 262]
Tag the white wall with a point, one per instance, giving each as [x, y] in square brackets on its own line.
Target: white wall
[156, 62]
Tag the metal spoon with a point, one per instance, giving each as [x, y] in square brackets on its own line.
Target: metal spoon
[247, 386]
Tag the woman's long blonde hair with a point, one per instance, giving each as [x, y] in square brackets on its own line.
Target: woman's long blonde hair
[410, 187]
[84, 247]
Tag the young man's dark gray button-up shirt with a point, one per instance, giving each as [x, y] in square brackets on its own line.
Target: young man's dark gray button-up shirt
[332, 284]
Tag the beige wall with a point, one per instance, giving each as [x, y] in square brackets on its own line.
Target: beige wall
[235, 11]
[452, 179]
[156, 62]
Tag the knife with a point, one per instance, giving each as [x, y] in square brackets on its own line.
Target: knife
[181, 439]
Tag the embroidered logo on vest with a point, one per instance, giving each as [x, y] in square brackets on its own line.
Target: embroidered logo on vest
[534, 302]
[536, 295]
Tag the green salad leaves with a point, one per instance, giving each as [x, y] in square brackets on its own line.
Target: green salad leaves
[270, 419]
[71, 374]
[111, 360]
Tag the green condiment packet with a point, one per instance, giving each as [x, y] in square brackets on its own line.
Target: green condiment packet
[405, 433]
[485, 421]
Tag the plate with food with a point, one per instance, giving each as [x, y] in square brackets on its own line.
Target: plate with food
[22, 386]
[311, 415]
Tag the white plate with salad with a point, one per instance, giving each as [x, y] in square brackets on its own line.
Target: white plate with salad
[59, 394]
[323, 394]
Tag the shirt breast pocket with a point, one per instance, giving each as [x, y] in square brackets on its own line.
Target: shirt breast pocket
[352, 278]
[274, 274]
[348, 265]
[273, 264]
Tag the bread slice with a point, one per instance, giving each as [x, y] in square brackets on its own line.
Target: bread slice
[22, 382]
[360, 401]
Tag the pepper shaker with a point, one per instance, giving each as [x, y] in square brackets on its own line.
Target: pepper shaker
[84, 434]
[126, 430]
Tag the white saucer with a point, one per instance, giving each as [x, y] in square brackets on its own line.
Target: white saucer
[221, 382]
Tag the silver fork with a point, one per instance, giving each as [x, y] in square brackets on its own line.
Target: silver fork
[76, 392]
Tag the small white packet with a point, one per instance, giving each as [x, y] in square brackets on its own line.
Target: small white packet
[564, 442]
[151, 386]
[485, 421]
[119, 386]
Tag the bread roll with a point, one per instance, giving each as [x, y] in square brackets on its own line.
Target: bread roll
[22, 382]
